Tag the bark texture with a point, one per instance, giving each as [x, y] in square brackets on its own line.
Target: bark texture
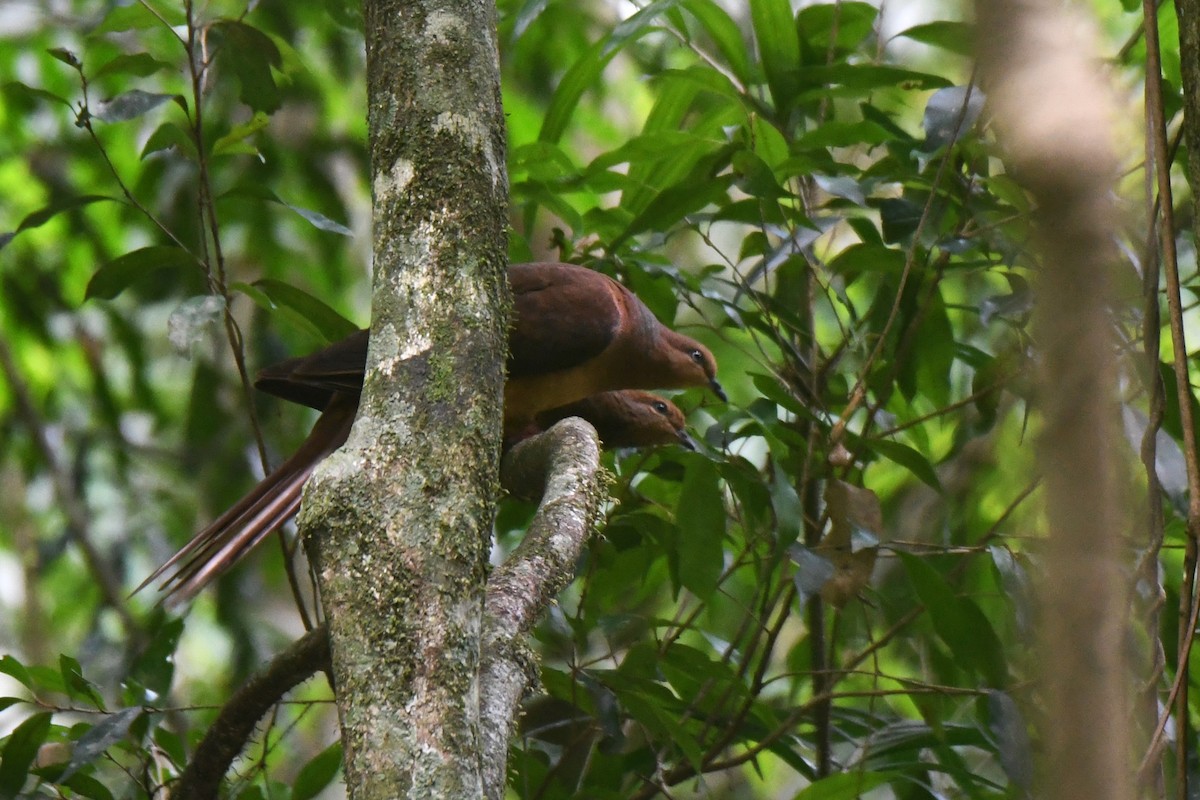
[399, 521]
[1054, 113]
[562, 466]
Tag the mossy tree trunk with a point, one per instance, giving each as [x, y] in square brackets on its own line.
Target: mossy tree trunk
[399, 521]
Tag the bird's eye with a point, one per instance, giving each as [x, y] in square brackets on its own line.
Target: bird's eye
[660, 407]
[698, 357]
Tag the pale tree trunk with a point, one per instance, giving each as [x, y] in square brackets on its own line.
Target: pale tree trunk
[399, 521]
[1054, 116]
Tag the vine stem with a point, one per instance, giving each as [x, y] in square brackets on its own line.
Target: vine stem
[1157, 135]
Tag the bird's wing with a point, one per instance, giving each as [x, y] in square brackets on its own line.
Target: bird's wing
[312, 380]
[563, 315]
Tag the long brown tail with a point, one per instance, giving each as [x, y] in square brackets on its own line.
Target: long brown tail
[269, 505]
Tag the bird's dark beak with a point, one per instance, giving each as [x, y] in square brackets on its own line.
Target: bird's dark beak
[687, 441]
[715, 385]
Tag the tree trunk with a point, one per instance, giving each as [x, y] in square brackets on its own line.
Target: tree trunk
[399, 521]
[1054, 115]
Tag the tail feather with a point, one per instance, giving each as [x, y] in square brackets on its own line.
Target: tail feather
[265, 509]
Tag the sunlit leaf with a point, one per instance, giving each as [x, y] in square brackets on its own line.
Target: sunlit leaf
[956, 37]
[779, 47]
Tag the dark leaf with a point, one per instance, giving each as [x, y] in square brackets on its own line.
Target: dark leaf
[78, 687]
[99, 738]
[845, 785]
[44, 215]
[170, 135]
[155, 666]
[318, 773]
[119, 274]
[304, 308]
[1012, 739]
[900, 218]
[65, 56]
[813, 571]
[17, 92]
[700, 516]
[958, 622]
[130, 105]
[949, 113]
[139, 64]
[250, 55]
[19, 752]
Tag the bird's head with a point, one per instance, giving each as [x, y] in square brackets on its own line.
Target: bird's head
[691, 364]
[633, 418]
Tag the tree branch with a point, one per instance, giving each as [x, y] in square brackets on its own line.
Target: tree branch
[563, 466]
[227, 736]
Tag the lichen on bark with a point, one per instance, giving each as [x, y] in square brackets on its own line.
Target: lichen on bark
[399, 521]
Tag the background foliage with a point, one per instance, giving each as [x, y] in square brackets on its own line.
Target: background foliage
[832, 597]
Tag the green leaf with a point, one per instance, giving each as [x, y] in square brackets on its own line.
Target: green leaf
[725, 33]
[582, 74]
[836, 133]
[907, 457]
[230, 142]
[865, 78]
[122, 272]
[637, 24]
[958, 622]
[44, 215]
[250, 55]
[842, 25]
[155, 666]
[779, 48]
[859, 258]
[139, 64]
[16, 670]
[78, 687]
[318, 773]
[700, 517]
[139, 16]
[99, 738]
[19, 93]
[311, 313]
[845, 785]
[956, 37]
[170, 135]
[933, 353]
[318, 220]
[65, 56]
[19, 752]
